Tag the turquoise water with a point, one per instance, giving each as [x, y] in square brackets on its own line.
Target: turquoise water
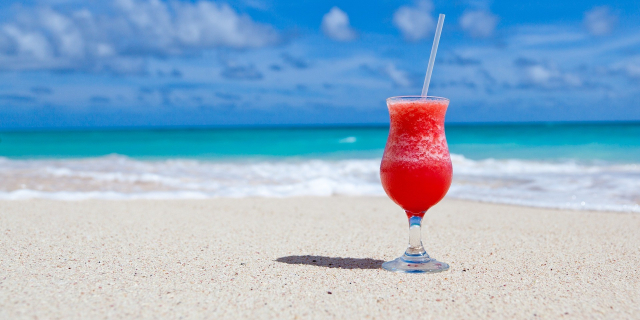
[577, 166]
[614, 142]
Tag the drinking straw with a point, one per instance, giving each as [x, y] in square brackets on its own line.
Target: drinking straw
[432, 58]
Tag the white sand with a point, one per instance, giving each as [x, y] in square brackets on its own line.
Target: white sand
[240, 258]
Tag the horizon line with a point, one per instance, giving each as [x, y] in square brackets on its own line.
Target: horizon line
[302, 126]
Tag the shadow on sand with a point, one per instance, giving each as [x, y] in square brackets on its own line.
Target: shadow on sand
[329, 262]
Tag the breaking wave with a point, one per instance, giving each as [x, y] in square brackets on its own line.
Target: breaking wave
[558, 184]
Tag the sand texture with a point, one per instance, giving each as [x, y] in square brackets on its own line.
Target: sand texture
[311, 258]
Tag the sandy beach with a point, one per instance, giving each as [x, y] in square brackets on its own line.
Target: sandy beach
[311, 258]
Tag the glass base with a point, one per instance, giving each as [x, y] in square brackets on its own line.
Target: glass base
[406, 264]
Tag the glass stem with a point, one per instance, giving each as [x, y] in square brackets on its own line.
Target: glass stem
[415, 251]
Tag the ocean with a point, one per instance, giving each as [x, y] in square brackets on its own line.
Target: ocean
[592, 166]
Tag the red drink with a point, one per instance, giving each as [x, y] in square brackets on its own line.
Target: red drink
[416, 167]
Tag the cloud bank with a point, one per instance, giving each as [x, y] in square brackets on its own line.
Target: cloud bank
[44, 38]
[545, 75]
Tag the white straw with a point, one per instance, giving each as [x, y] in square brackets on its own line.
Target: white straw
[432, 58]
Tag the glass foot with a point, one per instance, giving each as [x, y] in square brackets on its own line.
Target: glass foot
[407, 265]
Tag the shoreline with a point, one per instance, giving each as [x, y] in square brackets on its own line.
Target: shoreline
[251, 198]
[280, 258]
[562, 185]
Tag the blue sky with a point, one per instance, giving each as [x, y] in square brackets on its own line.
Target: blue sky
[69, 63]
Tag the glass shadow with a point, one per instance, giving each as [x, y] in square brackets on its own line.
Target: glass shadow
[333, 262]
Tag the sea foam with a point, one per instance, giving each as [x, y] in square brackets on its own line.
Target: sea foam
[559, 184]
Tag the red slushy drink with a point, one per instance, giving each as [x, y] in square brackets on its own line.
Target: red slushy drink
[416, 167]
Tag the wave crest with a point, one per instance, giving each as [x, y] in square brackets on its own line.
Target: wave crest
[560, 184]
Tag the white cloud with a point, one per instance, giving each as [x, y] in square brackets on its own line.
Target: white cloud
[600, 21]
[44, 38]
[25, 42]
[399, 77]
[479, 23]
[546, 75]
[536, 36]
[633, 70]
[628, 67]
[202, 24]
[335, 25]
[415, 22]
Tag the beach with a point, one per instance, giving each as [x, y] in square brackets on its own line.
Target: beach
[180, 159]
[311, 257]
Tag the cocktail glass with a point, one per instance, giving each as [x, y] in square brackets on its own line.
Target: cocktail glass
[416, 171]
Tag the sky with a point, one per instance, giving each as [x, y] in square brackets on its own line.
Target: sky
[91, 63]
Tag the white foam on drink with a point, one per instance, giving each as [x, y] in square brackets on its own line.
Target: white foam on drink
[429, 146]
